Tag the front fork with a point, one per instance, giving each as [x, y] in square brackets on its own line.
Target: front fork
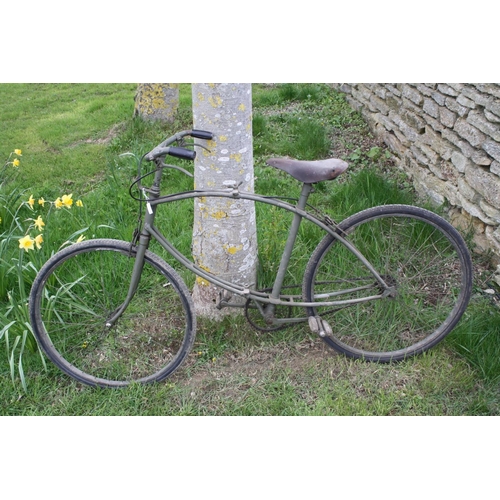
[142, 246]
[134, 280]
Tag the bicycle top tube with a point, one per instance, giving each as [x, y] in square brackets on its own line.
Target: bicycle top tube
[308, 172]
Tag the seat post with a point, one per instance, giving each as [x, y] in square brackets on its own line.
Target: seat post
[292, 235]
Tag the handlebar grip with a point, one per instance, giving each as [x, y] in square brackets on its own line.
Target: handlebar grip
[186, 154]
[202, 134]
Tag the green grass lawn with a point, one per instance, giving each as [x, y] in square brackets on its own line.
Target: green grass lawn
[71, 136]
[63, 129]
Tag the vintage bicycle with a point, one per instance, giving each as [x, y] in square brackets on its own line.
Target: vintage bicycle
[384, 284]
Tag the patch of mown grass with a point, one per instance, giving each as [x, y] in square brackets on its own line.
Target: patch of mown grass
[305, 139]
[275, 95]
[63, 129]
[284, 379]
[300, 121]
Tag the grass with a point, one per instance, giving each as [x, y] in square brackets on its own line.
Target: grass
[62, 124]
[72, 136]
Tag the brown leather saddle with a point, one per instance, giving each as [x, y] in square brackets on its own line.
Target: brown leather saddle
[310, 172]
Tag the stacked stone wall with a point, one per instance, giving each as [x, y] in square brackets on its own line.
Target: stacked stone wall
[446, 137]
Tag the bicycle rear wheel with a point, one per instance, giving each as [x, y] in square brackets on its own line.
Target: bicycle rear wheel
[420, 255]
[77, 291]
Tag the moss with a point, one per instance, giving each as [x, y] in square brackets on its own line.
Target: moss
[157, 101]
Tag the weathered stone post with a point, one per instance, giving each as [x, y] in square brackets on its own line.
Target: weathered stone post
[157, 101]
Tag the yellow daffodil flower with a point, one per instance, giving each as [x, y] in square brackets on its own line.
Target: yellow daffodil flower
[41, 202]
[39, 223]
[26, 243]
[67, 201]
[39, 241]
[16, 162]
[58, 203]
[79, 203]
[80, 238]
[18, 152]
[31, 201]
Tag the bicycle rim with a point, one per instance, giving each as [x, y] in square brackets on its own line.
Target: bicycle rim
[421, 256]
[78, 290]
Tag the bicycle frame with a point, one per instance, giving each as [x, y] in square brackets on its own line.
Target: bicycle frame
[270, 300]
[387, 283]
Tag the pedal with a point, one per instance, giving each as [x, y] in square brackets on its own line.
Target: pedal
[320, 326]
[223, 299]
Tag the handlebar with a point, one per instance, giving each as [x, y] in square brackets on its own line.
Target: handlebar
[161, 151]
[202, 134]
[164, 148]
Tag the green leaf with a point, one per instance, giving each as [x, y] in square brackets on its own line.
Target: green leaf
[11, 358]
[5, 328]
[374, 153]
[20, 362]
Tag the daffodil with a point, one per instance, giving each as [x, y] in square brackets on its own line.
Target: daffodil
[39, 223]
[26, 243]
[16, 162]
[31, 201]
[18, 152]
[58, 203]
[41, 202]
[79, 203]
[67, 201]
[39, 241]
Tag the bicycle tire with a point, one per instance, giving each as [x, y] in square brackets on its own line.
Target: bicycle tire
[77, 290]
[416, 251]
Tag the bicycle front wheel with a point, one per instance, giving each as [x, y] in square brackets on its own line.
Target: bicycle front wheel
[82, 286]
[419, 255]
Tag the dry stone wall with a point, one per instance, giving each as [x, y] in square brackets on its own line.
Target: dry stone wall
[446, 136]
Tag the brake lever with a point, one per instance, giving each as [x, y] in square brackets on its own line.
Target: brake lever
[202, 146]
[165, 165]
[182, 143]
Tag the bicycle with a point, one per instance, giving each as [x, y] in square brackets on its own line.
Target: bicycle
[385, 284]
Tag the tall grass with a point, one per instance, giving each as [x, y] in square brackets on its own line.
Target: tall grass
[476, 338]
